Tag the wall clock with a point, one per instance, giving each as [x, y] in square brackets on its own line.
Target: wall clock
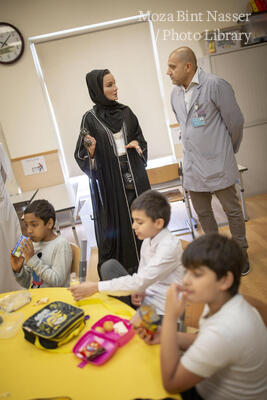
[11, 43]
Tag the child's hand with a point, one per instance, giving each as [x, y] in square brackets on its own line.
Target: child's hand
[148, 339]
[137, 298]
[16, 262]
[85, 289]
[175, 301]
[27, 248]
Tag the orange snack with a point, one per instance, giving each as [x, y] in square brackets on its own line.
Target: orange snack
[99, 329]
[108, 326]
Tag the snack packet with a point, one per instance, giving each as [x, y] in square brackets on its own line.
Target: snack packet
[17, 251]
[91, 351]
[147, 318]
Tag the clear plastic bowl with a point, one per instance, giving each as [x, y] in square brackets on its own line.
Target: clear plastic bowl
[11, 323]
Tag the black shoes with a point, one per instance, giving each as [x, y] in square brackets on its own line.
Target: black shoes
[246, 268]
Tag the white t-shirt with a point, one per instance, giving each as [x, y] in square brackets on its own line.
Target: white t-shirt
[160, 266]
[231, 353]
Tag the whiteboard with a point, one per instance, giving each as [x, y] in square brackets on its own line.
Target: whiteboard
[246, 71]
[125, 50]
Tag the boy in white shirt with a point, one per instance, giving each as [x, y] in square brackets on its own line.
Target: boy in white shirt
[227, 359]
[47, 258]
[160, 261]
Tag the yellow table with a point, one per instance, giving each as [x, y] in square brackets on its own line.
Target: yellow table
[28, 372]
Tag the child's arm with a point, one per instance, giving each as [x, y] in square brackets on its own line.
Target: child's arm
[16, 262]
[137, 298]
[22, 273]
[159, 266]
[165, 261]
[83, 290]
[184, 340]
[175, 377]
[87, 289]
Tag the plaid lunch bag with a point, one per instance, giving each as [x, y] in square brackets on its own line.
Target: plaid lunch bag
[54, 325]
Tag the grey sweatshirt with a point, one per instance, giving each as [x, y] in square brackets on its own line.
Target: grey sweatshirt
[51, 262]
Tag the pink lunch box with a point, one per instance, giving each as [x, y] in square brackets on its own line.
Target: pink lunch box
[109, 340]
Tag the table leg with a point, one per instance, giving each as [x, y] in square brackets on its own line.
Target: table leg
[189, 213]
[57, 228]
[242, 190]
[74, 228]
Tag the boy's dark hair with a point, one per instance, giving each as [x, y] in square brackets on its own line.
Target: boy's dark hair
[41, 209]
[217, 252]
[154, 204]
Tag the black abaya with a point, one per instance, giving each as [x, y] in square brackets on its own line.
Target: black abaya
[112, 217]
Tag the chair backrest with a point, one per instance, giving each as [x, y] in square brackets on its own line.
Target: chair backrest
[259, 305]
[193, 313]
[76, 252]
[162, 174]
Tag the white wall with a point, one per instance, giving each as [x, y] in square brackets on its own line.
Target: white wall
[136, 80]
[23, 111]
[247, 75]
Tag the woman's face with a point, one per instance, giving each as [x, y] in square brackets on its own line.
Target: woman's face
[109, 87]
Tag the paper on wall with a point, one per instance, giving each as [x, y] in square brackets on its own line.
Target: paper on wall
[34, 165]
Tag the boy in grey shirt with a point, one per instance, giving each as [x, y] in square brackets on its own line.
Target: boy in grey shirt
[47, 258]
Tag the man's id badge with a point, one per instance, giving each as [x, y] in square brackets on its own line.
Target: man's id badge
[198, 121]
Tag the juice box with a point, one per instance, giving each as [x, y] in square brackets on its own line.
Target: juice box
[17, 251]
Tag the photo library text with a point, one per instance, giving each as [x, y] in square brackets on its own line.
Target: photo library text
[171, 34]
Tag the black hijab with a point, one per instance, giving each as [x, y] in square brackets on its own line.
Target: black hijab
[109, 111]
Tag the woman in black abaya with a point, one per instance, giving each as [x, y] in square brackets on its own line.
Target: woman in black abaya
[112, 151]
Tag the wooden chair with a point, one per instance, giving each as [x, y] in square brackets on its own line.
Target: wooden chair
[75, 258]
[192, 314]
[167, 180]
[259, 305]
[194, 311]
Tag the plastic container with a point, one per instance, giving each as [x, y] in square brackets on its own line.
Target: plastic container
[109, 340]
[74, 279]
[109, 345]
[10, 324]
[147, 318]
[120, 340]
[14, 301]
